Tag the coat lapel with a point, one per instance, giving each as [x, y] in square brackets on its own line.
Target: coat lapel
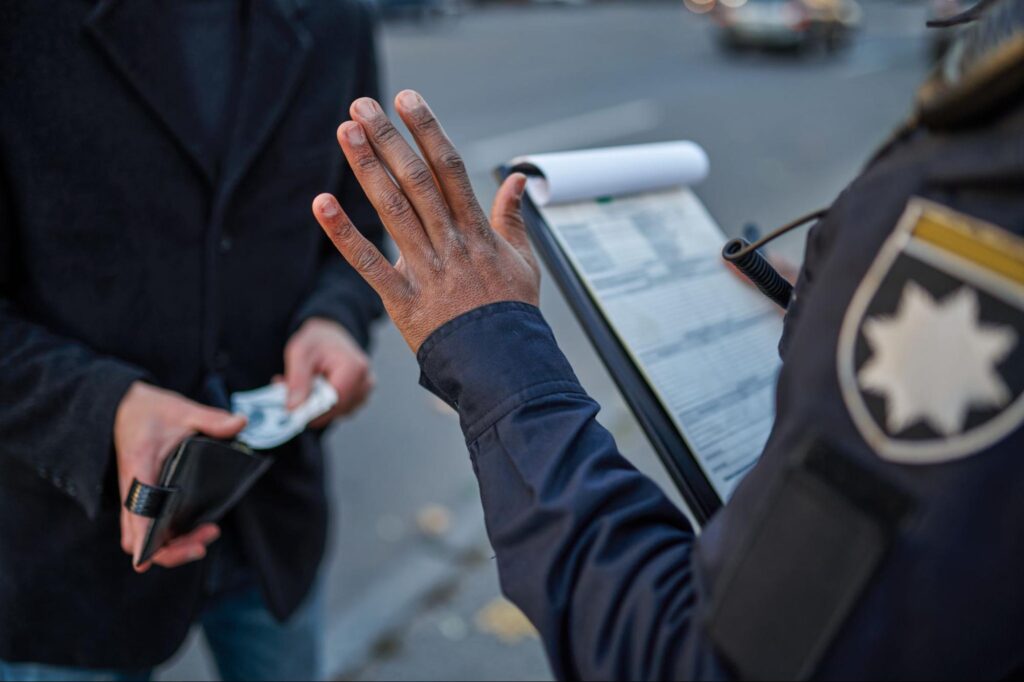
[145, 54]
[278, 46]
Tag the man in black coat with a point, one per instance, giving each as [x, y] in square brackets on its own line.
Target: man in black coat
[156, 254]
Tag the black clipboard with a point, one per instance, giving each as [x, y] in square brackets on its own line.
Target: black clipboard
[657, 424]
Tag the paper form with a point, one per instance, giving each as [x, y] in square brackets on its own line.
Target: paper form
[705, 341]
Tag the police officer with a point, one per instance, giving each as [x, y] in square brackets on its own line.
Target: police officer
[882, 533]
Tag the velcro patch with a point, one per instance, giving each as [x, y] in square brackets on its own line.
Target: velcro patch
[786, 592]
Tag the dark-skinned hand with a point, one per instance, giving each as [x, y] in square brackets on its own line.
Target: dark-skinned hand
[453, 259]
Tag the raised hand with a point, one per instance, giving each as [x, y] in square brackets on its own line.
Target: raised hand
[453, 259]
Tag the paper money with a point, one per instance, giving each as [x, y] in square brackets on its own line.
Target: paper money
[270, 422]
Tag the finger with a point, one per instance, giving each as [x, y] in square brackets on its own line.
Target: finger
[127, 532]
[353, 383]
[179, 555]
[354, 387]
[413, 175]
[441, 155]
[127, 528]
[323, 421]
[390, 202]
[298, 373]
[187, 548]
[203, 535]
[507, 213]
[134, 527]
[364, 392]
[354, 400]
[357, 249]
[214, 423]
[137, 528]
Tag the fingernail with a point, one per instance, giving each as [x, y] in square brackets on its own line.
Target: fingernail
[521, 184]
[365, 107]
[354, 134]
[328, 208]
[410, 100]
[197, 554]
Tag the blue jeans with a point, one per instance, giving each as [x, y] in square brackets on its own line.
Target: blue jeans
[247, 644]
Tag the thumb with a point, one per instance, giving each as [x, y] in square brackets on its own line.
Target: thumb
[507, 213]
[215, 423]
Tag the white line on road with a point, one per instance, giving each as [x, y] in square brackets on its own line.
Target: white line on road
[603, 125]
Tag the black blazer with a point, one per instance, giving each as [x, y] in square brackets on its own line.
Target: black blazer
[124, 256]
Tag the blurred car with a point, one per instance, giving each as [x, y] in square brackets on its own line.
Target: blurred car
[940, 38]
[792, 24]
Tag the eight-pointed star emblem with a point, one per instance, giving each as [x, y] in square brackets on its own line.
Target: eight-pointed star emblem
[935, 360]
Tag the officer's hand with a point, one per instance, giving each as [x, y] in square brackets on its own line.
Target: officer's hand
[323, 347]
[150, 423]
[452, 261]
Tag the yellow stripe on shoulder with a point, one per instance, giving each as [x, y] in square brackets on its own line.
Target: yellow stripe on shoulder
[983, 244]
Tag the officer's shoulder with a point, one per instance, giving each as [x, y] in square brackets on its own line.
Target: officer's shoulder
[971, 102]
[982, 76]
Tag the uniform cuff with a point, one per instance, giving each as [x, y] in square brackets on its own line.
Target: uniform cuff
[491, 360]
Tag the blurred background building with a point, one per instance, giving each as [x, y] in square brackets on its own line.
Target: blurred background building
[789, 97]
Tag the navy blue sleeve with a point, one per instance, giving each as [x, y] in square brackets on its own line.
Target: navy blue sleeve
[591, 550]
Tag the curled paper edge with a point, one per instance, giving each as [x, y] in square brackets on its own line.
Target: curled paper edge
[567, 177]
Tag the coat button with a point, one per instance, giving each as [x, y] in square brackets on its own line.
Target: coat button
[225, 244]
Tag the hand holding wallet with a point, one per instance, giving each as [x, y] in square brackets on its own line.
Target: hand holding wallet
[201, 480]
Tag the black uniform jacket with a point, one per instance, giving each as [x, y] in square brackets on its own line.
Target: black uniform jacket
[125, 255]
[881, 535]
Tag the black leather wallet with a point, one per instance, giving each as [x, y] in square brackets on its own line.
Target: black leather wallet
[201, 480]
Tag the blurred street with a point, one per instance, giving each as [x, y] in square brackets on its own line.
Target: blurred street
[412, 584]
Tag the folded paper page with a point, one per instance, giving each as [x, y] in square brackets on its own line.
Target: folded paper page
[567, 177]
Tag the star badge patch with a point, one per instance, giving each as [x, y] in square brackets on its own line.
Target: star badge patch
[931, 354]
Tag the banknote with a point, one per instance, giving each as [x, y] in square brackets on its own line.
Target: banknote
[270, 422]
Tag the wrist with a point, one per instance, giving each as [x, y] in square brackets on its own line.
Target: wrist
[321, 332]
[485, 362]
[342, 313]
[317, 320]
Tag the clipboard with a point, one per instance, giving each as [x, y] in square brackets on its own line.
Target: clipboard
[659, 427]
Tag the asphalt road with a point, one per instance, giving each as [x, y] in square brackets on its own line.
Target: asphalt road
[410, 579]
